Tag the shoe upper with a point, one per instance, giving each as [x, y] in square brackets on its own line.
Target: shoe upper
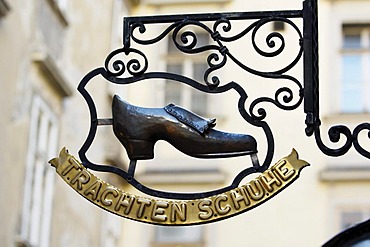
[186, 131]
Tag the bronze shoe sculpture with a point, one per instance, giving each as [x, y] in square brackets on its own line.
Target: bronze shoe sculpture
[139, 128]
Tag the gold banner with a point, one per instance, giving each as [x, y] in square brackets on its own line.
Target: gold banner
[183, 212]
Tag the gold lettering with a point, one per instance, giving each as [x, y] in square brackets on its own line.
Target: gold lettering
[123, 203]
[221, 210]
[256, 192]
[158, 211]
[269, 179]
[177, 212]
[71, 165]
[183, 212]
[283, 172]
[81, 178]
[106, 192]
[206, 211]
[143, 202]
[238, 197]
[93, 189]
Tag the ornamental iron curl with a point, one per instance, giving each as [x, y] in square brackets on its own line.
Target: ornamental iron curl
[129, 64]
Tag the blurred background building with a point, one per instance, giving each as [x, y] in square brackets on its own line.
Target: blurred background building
[47, 46]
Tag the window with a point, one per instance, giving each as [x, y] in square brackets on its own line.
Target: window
[39, 177]
[193, 66]
[351, 217]
[355, 84]
[52, 24]
[354, 229]
[179, 236]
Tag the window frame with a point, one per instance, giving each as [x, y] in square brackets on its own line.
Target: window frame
[363, 210]
[39, 178]
[364, 54]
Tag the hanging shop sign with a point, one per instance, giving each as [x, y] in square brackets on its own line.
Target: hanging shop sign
[138, 128]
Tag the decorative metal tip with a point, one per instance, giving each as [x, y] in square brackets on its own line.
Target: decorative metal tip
[54, 162]
[293, 158]
[63, 155]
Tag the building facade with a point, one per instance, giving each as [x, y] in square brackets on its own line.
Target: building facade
[44, 49]
[47, 47]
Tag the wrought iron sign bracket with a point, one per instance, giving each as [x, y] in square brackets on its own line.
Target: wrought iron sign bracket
[311, 93]
[136, 69]
[195, 135]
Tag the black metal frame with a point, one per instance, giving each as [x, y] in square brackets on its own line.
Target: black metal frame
[311, 97]
[135, 69]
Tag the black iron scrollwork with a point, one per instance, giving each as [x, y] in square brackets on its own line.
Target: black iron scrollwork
[351, 138]
[117, 67]
[130, 64]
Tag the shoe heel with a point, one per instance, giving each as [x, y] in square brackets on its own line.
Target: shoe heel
[138, 149]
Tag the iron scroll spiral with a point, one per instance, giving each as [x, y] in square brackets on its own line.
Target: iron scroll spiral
[351, 138]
